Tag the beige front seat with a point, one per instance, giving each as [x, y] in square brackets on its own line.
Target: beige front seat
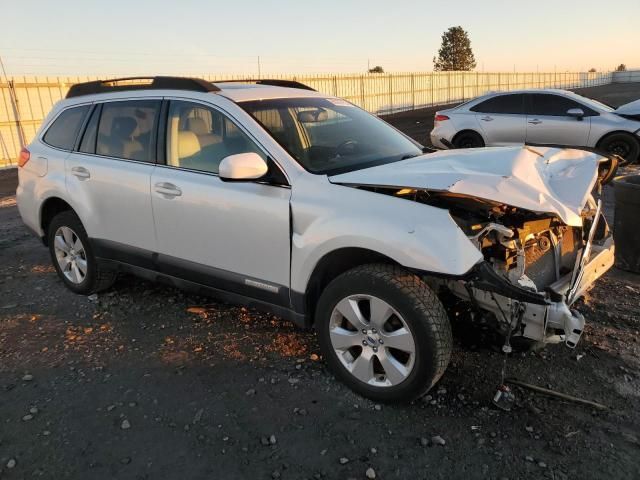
[198, 126]
[188, 145]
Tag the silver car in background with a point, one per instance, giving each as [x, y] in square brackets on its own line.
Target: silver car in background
[551, 117]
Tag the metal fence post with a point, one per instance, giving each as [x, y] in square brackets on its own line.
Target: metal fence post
[391, 93]
[413, 93]
[431, 93]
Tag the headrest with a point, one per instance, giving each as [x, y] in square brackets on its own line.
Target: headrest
[188, 144]
[123, 126]
[197, 125]
[310, 116]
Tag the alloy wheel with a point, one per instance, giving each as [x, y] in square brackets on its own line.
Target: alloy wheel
[70, 255]
[372, 340]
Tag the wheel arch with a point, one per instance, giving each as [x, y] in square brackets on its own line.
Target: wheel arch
[330, 266]
[51, 207]
[616, 132]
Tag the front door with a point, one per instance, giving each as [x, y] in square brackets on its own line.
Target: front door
[228, 235]
[548, 122]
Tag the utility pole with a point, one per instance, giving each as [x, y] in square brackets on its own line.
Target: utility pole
[258, 66]
[368, 65]
[14, 101]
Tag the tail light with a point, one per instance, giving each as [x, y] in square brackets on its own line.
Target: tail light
[24, 157]
[441, 118]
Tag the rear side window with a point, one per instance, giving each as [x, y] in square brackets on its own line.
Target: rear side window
[553, 105]
[88, 143]
[64, 130]
[127, 130]
[513, 104]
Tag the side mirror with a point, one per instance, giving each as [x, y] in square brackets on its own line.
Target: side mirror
[576, 113]
[243, 166]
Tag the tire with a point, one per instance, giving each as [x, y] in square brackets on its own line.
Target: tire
[414, 309]
[69, 228]
[622, 144]
[468, 139]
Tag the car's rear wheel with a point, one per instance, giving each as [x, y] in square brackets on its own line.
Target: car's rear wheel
[468, 139]
[384, 332]
[73, 257]
[622, 144]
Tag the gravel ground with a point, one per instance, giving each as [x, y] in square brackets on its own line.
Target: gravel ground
[148, 382]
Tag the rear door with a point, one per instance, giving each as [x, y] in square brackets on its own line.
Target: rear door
[108, 177]
[502, 119]
[548, 122]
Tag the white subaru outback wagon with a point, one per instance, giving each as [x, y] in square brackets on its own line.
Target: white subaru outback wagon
[272, 195]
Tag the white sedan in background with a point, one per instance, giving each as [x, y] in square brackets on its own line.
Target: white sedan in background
[551, 117]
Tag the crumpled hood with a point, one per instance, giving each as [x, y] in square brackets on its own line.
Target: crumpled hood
[631, 108]
[539, 179]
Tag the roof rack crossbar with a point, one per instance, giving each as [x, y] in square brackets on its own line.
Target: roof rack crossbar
[274, 82]
[141, 83]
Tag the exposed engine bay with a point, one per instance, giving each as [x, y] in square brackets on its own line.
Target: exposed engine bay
[530, 212]
[543, 264]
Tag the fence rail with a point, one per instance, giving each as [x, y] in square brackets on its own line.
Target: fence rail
[25, 101]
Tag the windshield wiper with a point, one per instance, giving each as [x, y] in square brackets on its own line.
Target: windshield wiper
[407, 157]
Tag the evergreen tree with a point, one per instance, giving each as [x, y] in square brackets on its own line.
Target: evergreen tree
[455, 52]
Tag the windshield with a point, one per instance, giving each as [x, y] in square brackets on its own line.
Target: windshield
[596, 104]
[330, 135]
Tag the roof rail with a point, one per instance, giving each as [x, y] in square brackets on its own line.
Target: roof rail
[273, 82]
[141, 83]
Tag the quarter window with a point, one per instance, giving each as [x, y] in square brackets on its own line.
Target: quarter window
[509, 104]
[127, 130]
[88, 143]
[553, 105]
[198, 137]
[64, 130]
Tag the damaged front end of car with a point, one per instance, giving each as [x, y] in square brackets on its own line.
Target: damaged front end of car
[534, 216]
[535, 267]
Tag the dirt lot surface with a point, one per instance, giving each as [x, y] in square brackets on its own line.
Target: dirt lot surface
[147, 382]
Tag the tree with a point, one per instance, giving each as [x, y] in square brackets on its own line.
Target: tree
[621, 68]
[455, 52]
[592, 70]
[376, 69]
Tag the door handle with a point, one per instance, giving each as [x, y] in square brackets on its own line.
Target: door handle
[535, 121]
[80, 172]
[487, 118]
[168, 189]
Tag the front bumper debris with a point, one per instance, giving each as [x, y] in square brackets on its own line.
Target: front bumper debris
[548, 316]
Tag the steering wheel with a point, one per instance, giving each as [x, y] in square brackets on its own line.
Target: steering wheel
[348, 147]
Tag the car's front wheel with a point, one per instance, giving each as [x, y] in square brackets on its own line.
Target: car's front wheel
[73, 257]
[622, 144]
[384, 332]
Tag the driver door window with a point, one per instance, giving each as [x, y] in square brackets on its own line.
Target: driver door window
[199, 137]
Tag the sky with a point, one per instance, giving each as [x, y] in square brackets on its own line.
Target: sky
[137, 37]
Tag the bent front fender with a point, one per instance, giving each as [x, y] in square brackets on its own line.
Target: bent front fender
[416, 236]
